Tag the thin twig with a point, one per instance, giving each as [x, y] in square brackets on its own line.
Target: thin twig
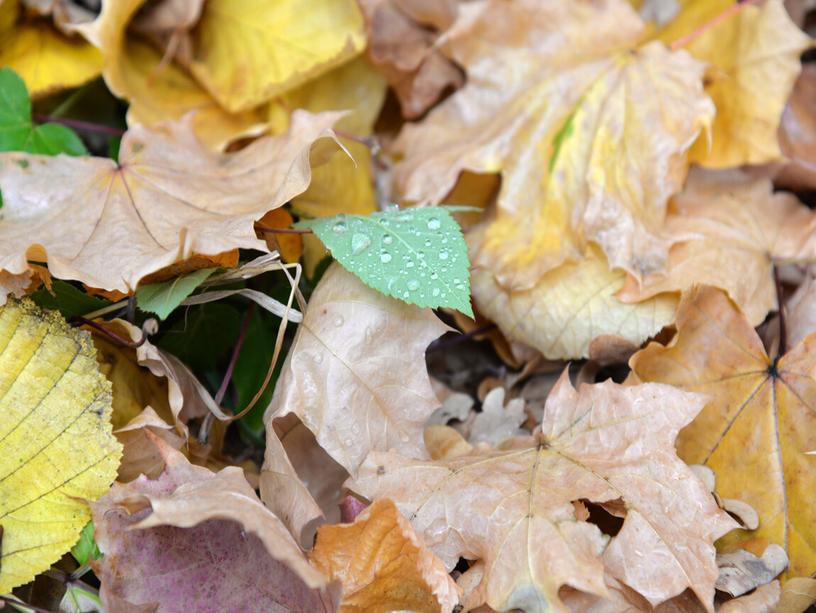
[363, 140]
[269, 230]
[783, 330]
[732, 10]
[124, 342]
[15, 602]
[77, 124]
[236, 352]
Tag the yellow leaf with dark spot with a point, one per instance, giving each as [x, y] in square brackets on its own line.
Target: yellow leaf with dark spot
[56, 446]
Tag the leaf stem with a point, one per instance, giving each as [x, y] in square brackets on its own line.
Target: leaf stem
[112, 335]
[77, 124]
[268, 230]
[783, 329]
[17, 603]
[732, 10]
[236, 352]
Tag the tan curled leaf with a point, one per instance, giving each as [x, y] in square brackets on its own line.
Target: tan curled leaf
[56, 445]
[356, 374]
[514, 509]
[739, 228]
[741, 571]
[568, 307]
[108, 224]
[194, 540]
[588, 130]
[496, 421]
[383, 565]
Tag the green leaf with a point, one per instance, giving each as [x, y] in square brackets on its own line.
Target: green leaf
[163, 298]
[18, 132]
[67, 299]
[415, 255]
[86, 549]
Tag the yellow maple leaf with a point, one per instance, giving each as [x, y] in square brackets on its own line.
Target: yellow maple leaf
[159, 91]
[759, 425]
[45, 58]
[383, 564]
[56, 445]
[283, 44]
[588, 132]
[753, 60]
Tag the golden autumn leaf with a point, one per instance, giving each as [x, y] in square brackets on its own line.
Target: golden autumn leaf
[45, 58]
[109, 225]
[731, 229]
[342, 181]
[383, 565]
[513, 509]
[157, 91]
[283, 44]
[56, 446]
[355, 375]
[758, 427]
[569, 307]
[553, 109]
[753, 61]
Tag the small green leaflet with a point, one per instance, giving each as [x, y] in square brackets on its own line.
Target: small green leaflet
[416, 255]
[86, 549]
[18, 132]
[163, 298]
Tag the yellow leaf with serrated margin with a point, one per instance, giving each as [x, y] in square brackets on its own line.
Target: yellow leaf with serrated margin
[56, 446]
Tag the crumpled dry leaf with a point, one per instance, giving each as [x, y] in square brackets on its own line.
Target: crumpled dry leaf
[513, 509]
[45, 58]
[14, 285]
[355, 375]
[497, 422]
[56, 445]
[550, 107]
[197, 540]
[800, 311]
[383, 565]
[568, 307]
[109, 225]
[797, 133]
[753, 61]
[140, 454]
[303, 497]
[739, 228]
[401, 43]
[757, 428]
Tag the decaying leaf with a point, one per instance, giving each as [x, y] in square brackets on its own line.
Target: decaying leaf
[759, 425]
[568, 307]
[798, 595]
[355, 375]
[383, 565]
[108, 224]
[401, 43]
[194, 540]
[736, 228]
[553, 110]
[514, 509]
[56, 446]
[742, 571]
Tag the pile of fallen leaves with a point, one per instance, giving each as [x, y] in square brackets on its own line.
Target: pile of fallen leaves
[407, 305]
